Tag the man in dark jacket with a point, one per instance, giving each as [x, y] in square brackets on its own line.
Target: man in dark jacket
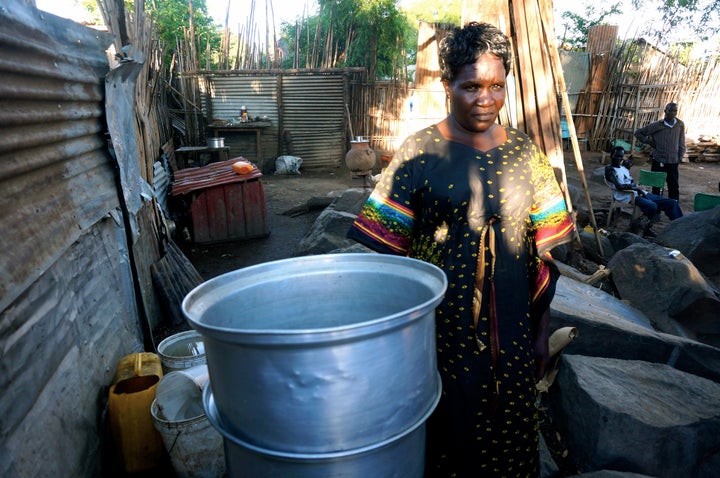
[667, 138]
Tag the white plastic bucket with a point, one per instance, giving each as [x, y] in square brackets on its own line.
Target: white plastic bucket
[194, 446]
[181, 351]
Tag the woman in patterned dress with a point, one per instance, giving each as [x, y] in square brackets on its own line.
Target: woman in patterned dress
[480, 201]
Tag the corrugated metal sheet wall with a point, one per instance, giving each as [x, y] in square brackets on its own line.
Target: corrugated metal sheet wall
[259, 95]
[66, 293]
[54, 170]
[313, 112]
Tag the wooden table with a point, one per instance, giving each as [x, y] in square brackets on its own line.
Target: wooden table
[256, 127]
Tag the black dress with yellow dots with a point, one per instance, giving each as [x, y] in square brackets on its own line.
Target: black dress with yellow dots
[442, 202]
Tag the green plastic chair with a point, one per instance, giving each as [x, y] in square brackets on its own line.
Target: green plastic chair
[705, 201]
[655, 179]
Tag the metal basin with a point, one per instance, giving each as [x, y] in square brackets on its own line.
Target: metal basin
[322, 353]
[216, 142]
[402, 455]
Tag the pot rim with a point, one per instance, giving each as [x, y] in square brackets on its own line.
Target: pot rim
[197, 302]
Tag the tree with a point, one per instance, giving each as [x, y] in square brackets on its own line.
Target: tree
[679, 19]
[700, 17]
[175, 25]
[576, 27]
[349, 33]
[430, 11]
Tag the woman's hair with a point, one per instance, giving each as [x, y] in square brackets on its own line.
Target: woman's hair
[463, 46]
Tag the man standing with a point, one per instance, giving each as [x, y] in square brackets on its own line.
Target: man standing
[667, 138]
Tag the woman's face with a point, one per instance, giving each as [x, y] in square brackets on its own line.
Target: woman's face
[478, 93]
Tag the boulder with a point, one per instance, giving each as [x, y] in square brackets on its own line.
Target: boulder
[630, 400]
[697, 236]
[329, 231]
[638, 417]
[621, 240]
[669, 289]
[608, 327]
[590, 247]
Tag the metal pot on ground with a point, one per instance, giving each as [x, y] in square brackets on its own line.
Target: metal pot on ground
[303, 353]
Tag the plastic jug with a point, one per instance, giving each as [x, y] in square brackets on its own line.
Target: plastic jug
[139, 444]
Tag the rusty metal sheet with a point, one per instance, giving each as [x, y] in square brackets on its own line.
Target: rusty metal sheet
[56, 177]
[214, 174]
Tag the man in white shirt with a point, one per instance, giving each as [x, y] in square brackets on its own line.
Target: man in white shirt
[624, 188]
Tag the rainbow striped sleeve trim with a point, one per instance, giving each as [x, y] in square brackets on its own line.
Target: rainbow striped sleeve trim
[552, 224]
[386, 222]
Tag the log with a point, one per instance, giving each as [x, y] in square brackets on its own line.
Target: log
[173, 276]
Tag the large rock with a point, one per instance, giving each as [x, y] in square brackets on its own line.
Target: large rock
[330, 228]
[697, 236]
[637, 416]
[590, 248]
[669, 289]
[610, 328]
[621, 240]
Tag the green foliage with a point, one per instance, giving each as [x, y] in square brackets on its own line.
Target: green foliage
[172, 19]
[681, 51]
[430, 11]
[91, 7]
[699, 17]
[371, 33]
[366, 33]
[576, 27]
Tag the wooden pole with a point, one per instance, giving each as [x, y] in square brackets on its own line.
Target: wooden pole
[555, 58]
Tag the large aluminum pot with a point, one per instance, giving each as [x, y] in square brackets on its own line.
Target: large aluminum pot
[321, 353]
[402, 455]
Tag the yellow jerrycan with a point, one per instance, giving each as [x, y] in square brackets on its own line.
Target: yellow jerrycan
[139, 444]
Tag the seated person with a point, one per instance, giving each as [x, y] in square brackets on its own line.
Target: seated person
[619, 176]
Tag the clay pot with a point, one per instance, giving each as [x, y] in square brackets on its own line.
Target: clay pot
[360, 159]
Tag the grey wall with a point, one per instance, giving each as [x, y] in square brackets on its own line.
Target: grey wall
[310, 106]
[67, 302]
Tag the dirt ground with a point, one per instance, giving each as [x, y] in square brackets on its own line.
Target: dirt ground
[285, 192]
[282, 194]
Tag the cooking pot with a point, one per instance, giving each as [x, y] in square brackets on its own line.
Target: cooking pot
[215, 142]
[402, 455]
[322, 353]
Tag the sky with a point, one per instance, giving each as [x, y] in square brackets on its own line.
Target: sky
[630, 25]
[284, 9]
[288, 10]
